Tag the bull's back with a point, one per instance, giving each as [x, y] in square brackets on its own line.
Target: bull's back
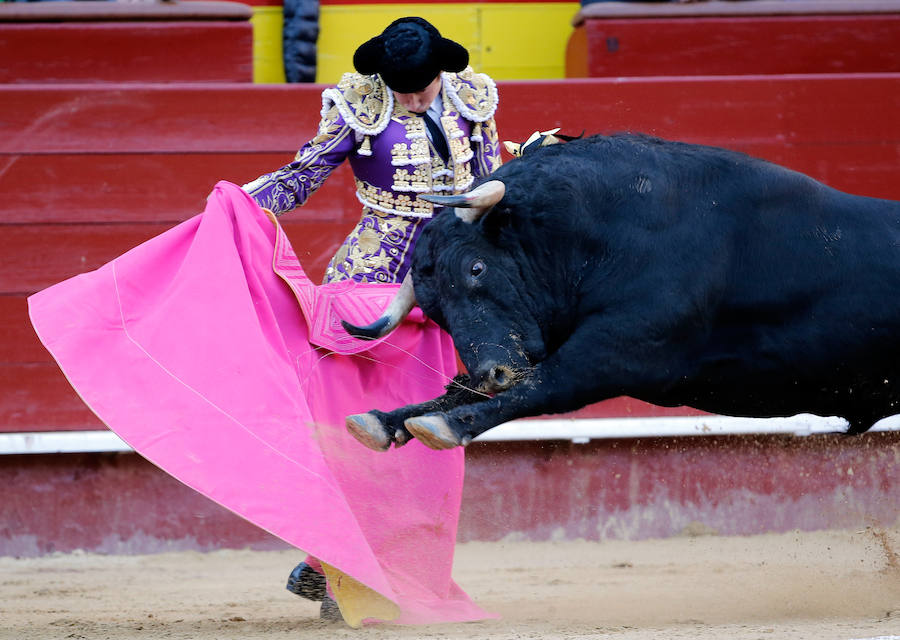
[810, 319]
[796, 287]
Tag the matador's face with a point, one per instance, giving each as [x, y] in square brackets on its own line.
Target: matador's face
[420, 100]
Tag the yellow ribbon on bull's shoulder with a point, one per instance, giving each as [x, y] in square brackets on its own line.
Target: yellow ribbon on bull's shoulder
[356, 601]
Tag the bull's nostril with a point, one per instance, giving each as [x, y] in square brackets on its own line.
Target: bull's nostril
[500, 376]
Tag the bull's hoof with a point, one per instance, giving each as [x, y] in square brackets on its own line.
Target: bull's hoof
[433, 431]
[368, 429]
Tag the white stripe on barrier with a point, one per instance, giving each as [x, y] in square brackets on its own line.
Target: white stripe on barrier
[61, 442]
[578, 430]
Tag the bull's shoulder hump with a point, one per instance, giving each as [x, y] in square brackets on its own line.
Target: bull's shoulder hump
[364, 102]
[474, 94]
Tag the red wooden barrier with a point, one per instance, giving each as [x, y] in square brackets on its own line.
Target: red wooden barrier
[607, 489]
[87, 172]
[125, 42]
[731, 38]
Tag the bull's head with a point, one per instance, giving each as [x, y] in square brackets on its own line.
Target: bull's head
[469, 286]
[472, 206]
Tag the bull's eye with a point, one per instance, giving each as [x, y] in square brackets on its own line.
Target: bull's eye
[477, 268]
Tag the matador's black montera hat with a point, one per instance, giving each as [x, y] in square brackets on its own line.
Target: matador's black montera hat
[409, 54]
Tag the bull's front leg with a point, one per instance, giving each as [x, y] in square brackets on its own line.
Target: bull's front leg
[577, 374]
[458, 427]
[377, 429]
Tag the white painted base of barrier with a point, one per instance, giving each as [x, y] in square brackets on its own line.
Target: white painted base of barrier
[578, 430]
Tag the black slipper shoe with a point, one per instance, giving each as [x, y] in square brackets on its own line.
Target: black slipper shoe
[306, 582]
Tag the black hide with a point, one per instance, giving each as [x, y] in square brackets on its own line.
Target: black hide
[673, 273]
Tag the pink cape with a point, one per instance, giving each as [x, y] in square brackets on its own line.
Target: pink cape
[209, 351]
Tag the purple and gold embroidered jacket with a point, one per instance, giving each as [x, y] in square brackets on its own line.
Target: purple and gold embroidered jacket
[393, 162]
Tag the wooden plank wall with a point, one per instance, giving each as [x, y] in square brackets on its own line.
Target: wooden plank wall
[772, 45]
[732, 38]
[52, 42]
[55, 53]
[89, 171]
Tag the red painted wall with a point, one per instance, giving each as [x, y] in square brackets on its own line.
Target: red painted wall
[646, 488]
[612, 489]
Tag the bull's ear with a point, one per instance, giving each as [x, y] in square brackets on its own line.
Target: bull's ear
[493, 223]
[566, 138]
[514, 148]
[539, 139]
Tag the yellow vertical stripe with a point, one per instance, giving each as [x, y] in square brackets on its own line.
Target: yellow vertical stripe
[507, 41]
[268, 64]
[525, 41]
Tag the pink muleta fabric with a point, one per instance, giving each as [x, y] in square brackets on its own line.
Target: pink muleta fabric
[210, 352]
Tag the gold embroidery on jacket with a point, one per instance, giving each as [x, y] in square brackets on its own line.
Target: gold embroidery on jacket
[416, 156]
[363, 101]
[415, 126]
[379, 242]
[476, 93]
[414, 153]
[400, 154]
[418, 180]
[328, 126]
[462, 178]
[491, 146]
[384, 201]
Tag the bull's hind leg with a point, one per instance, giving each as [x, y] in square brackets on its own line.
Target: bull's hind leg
[378, 429]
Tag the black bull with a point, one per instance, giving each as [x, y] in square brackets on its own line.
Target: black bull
[673, 273]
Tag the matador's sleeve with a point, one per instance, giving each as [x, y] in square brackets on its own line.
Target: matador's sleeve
[292, 184]
[487, 154]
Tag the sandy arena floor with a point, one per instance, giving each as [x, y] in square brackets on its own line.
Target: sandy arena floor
[838, 585]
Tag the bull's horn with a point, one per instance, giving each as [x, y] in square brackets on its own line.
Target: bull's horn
[479, 200]
[403, 302]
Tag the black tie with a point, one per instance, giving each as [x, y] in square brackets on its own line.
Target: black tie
[437, 136]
